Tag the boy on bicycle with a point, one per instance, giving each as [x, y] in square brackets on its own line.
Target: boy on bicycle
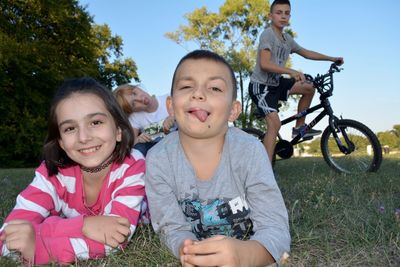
[211, 196]
[267, 85]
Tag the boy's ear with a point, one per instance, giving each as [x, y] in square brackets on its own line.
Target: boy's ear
[236, 109]
[170, 108]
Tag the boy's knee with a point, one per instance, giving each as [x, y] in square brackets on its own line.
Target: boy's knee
[309, 89]
[273, 122]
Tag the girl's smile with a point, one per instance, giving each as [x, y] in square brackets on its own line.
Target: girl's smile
[88, 134]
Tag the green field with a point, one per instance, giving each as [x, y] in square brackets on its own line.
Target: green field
[335, 220]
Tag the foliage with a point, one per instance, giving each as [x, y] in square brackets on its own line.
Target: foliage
[390, 138]
[106, 46]
[232, 33]
[41, 44]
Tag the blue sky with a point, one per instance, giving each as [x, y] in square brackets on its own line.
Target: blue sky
[365, 33]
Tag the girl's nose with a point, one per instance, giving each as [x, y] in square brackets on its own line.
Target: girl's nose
[84, 135]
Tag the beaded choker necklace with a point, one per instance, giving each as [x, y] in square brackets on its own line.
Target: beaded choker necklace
[102, 166]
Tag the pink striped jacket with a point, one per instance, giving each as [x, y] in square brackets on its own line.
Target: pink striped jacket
[55, 206]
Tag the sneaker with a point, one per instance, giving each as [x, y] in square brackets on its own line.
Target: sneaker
[301, 129]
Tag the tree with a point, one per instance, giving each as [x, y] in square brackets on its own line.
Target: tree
[231, 33]
[396, 130]
[42, 43]
[119, 71]
[390, 138]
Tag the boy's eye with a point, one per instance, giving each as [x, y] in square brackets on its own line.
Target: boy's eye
[216, 89]
[184, 87]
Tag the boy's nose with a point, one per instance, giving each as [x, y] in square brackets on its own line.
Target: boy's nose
[199, 94]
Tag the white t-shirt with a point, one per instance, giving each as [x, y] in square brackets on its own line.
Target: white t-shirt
[141, 120]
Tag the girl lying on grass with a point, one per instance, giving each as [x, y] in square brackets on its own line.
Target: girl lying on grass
[87, 195]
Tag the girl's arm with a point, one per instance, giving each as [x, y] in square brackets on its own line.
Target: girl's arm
[61, 239]
[140, 137]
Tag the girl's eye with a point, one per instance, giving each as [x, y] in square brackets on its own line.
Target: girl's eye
[97, 122]
[68, 129]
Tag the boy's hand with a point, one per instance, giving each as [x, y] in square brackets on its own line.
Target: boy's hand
[187, 242]
[168, 123]
[339, 61]
[214, 251]
[225, 251]
[109, 230]
[19, 235]
[144, 138]
[298, 76]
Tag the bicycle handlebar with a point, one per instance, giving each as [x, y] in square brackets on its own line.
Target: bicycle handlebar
[324, 82]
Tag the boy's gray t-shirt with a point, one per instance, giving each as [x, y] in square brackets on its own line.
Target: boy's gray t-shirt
[280, 51]
[241, 199]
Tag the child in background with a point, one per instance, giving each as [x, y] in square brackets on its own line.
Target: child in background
[87, 195]
[148, 115]
[267, 85]
[212, 194]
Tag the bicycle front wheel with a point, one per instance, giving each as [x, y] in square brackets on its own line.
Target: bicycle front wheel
[360, 151]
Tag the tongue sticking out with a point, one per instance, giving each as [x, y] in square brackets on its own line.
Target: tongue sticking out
[202, 115]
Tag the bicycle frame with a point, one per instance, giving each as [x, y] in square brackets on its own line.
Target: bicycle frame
[345, 133]
[327, 111]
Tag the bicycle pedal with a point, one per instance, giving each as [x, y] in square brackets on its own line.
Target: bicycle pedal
[308, 138]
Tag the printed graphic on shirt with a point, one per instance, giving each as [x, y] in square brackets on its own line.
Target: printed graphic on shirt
[228, 217]
[155, 130]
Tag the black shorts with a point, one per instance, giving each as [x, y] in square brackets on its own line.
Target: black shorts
[266, 98]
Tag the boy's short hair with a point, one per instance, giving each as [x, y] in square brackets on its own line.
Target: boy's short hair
[279, 2]
[206, 54]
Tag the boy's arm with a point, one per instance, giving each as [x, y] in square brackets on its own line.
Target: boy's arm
[268, 66]
[308, 54]
[267, 208]
[166, 214]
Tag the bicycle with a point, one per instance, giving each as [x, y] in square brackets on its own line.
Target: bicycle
[347, 146]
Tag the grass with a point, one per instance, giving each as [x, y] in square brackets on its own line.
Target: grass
[335, 220]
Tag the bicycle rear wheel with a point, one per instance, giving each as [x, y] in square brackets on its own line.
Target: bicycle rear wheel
[255, 132]
[364, 152]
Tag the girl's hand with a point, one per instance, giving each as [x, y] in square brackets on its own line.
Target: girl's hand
[19, 235]
[144, 138]
[168, 123]
[109, 230]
